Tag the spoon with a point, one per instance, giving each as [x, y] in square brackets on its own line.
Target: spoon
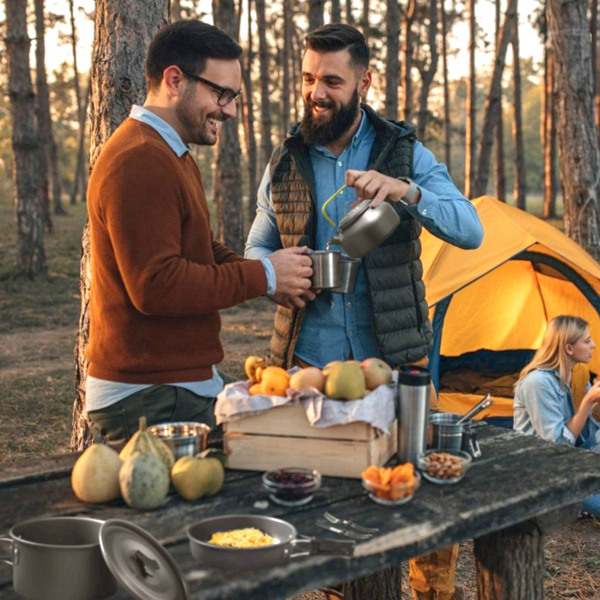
[483, 403]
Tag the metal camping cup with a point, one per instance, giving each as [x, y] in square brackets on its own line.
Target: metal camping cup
[348, 272]
[365, 228]
[445, 431]
[59, 558]
[326, 268]
[413, 400]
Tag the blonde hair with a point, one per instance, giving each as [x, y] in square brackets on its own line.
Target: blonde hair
[552, 354]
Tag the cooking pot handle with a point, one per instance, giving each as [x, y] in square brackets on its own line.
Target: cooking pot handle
[12, 545]
[323, 547]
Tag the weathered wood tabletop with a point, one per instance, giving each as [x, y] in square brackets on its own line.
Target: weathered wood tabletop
[517, 479]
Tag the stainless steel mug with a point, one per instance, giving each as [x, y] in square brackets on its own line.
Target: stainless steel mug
[348, 272]
[413, 412]
[470, 442]
[326, 268]
[446, 433]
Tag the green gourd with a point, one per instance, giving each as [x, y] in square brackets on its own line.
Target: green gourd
[145, 441]
[144, 481]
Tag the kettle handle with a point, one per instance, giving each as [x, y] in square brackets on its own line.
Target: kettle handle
[328, 201]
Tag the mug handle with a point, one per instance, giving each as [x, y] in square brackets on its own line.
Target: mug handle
[12, 544]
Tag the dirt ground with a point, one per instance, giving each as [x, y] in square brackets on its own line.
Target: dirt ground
[38, 356]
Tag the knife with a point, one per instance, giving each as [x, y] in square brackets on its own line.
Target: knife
[351, 534]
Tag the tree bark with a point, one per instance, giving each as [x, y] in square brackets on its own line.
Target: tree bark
[549, 133]
[27, 189]
[595, 50]
[288, 21]
[579, 154]
[471, 109]
[315, 14]
[499, 175]
[490, 117]
[510, 564]
[248, 108]
[336, 11]
[122, 35]
[227, 195]
[407, 59]
[392, 60]
[266, 145]
[386, 584]
[520, 183]
[427, 69]
[349, 15]
[447, 129]
[175, 10]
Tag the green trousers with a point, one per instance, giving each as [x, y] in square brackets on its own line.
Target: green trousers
[159, 404]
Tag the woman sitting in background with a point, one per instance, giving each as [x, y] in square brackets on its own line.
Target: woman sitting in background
[543, 400]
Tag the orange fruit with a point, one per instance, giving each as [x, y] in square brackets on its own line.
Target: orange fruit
[274, 381]
[371, 474]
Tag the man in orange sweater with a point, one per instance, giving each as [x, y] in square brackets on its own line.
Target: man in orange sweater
[159, 277]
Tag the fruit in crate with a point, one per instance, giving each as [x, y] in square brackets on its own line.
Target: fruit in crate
[345, 382]
[253, 367]
[327, 368]
[376, 371]
[144, 441]
[274, 381]
[309, 377]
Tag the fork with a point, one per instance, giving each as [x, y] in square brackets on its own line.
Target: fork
[346, 532]
[332, 519]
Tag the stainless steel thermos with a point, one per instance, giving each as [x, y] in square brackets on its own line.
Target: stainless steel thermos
[413, 412]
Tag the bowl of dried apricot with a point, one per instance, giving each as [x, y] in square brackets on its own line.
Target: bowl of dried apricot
[391, 486]
[444, 466]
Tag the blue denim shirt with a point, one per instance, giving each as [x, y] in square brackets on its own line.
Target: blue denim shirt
[336, 324]
[544, 405]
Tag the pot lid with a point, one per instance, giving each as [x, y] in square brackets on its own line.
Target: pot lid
[354, 214]
[140, 563]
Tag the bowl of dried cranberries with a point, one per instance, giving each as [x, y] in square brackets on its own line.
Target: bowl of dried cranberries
[292, 486]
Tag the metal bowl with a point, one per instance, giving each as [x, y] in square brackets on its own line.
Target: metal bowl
[184, 438]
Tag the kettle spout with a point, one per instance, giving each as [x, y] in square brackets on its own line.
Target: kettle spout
[336, 240]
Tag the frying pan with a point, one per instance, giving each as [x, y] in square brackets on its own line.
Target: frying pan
[284, 548]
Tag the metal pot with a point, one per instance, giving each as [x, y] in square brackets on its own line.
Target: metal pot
[284, 548]
[326, 268]
[445, 432]
[186, 438]
[59, 558]
[365, 228]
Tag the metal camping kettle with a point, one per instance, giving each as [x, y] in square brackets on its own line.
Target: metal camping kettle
[365, 228]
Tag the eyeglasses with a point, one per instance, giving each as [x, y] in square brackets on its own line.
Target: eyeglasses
[226, 95]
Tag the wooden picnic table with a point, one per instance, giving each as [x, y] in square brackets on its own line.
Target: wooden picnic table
[518, 479]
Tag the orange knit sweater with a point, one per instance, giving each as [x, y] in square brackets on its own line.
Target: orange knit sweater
[158, 276]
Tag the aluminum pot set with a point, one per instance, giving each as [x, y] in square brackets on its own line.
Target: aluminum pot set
[77, 558]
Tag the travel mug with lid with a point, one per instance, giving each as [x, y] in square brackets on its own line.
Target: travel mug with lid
[413, 412]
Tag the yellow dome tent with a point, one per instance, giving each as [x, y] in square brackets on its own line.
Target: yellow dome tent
[489, 307]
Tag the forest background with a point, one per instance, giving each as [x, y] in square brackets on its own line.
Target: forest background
[503, 106]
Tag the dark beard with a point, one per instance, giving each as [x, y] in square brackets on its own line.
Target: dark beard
[314, 133]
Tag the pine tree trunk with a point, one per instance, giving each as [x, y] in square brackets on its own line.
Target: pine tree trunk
[336, 11]
[392, 60]
[349, 15]
[427, 70]
[520, 184]
[471, 109]
[315, 14]
[499, 175]
[594, 23]
[175, 10]
[229, 198]
[579, 154]
[407, 50]
[366, 20]
[266, 145]
[447, 129]
[27, 189]
[248, 108]
[386, 584]
[490, 117]
[42, 111]
[117, 82]
[287, 50]
[549, 135]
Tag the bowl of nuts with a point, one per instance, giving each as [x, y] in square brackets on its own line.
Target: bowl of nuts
[444, 466]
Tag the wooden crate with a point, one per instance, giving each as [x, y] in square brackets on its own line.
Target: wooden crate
[283, 437]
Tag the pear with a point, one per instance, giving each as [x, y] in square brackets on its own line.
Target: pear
[376, 371]
[345, 382]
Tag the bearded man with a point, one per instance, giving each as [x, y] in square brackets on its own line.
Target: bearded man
[159, 277]
[387, 315]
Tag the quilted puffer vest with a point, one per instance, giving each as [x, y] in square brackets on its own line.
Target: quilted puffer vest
[394, 271]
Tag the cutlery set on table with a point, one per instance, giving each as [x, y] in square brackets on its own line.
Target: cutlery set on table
[345, 527]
